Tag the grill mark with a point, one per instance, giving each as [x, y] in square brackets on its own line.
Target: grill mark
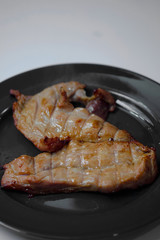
[65, 157]
[132, 155]
[34, 166]
[36, 110]
[115, 154]
[100, 130]
[50, 170]
[80, 158]
[51, 167]
[52, 112]
[115, 164]
[98, 172]
[66, 122]
[69, 115]
[80, 134]
[35, 117]
[49, 122]
[67, 179]
[115, 135]
[81, 154]
[52, 177]
[52, 161]
[98, 157]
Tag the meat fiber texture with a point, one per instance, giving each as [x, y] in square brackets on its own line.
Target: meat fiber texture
[107, 167]
[88, 153]
[49, 120]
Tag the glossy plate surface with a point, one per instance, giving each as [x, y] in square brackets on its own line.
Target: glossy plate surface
[122, 215]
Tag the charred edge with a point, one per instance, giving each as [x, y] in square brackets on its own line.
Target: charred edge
[55, 144]
[107, 97]
[15, 93]
[18, 95]
[144, 148]
[14, 108]
[18, 105]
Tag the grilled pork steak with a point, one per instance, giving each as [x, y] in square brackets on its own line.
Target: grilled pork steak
[107, 166]
[49, 120]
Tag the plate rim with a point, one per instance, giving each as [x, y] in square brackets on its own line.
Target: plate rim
[61, 65]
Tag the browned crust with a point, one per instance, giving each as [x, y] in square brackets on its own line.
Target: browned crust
[45, 144]
[49, 188]
[145, 174]
[49, 144]
[54, 144]
[18, 105]
[15, 93]
[107, 97]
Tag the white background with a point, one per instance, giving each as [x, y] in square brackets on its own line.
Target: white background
[122, 33]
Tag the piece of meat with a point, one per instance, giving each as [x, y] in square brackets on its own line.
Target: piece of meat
[106, 167]
[99, 99]
[49, 120]
[98, 107]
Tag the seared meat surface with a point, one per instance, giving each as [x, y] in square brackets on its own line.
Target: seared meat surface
[107, 166]
[88, 153]
[49, 120]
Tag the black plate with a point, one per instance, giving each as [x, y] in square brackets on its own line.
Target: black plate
[84, 215]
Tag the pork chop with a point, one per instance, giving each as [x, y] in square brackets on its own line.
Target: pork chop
[49, 120]
[107, 166]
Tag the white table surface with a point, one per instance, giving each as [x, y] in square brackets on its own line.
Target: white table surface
[37, 33]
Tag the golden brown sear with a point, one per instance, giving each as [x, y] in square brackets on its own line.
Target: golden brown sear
[49, 120]
[107, 166]
[88, 153]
